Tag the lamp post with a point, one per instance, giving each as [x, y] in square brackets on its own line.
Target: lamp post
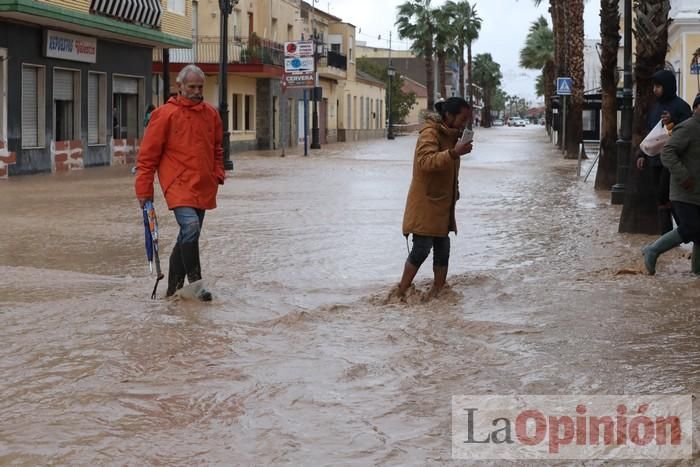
[390, 132]
[624, 144]
[226, 7]
[315, 131]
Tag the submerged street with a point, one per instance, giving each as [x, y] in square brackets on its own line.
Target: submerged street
[300, 358]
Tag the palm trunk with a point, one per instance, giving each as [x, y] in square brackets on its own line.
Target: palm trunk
[470, 91]
[639, 213]
[461, 69]
[429, 77]
[442, 74]
[574, 127]
[610, 41]
[559, 25]
[549, 90]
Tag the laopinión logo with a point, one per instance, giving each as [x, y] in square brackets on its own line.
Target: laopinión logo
[572, 427]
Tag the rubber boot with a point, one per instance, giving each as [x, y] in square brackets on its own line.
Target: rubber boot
[652, 251]
[665, 220]
[695, 261]
[176, 271]
[190, 258]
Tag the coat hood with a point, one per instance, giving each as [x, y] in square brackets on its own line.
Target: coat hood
[433, 120]
[666, 79]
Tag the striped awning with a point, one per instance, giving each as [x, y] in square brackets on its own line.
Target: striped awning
[146, 12]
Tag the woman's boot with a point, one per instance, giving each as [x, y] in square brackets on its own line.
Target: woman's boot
[652, 251]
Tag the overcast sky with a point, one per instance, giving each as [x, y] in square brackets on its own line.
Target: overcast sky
[503, 31]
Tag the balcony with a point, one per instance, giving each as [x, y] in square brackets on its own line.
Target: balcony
[206, 50]
[334, 66]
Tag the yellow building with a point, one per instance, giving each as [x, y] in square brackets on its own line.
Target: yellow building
[75, 77]
[684, 47]
[262, 115]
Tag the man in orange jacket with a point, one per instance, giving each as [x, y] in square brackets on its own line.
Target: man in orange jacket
[183, 144]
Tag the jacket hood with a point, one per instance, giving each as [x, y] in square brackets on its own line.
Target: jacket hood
[666, 79]
[433, 120]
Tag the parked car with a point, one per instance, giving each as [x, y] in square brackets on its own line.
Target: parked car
[498, 122]
[516, 122]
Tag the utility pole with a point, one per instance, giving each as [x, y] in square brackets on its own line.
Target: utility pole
[391, 72]
[226, 7]
[624, 144]
[315, 131]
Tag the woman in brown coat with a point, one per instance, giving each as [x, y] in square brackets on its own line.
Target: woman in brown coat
[430, 207]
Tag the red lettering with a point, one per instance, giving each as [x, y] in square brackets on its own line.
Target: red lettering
[540, 427]
[554, 440]
[676, 430]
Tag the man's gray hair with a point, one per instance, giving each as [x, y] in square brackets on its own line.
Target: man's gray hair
[189, 69]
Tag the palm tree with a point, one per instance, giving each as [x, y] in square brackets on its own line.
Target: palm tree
[610, 43]
[487, 74]
[467, 24]
[651, 34]
[416, 22]
[445, 46]
[538, 54]
[575, 38]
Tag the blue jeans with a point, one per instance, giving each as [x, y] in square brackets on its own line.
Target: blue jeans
[190, 221]
[688, 221]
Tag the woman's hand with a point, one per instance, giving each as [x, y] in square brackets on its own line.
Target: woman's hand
[461, 149]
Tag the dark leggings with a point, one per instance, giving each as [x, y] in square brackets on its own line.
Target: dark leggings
[421, 249]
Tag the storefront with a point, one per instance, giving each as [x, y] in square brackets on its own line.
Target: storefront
[68, 97]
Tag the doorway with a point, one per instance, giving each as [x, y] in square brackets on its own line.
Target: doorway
[3, 95]
[323, 121]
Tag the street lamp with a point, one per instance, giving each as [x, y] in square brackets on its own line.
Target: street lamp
[391, 72]
[226, 7]
[624, 144]
[315, 131]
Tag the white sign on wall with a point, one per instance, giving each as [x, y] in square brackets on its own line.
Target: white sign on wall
[299, 64]
[70, 47]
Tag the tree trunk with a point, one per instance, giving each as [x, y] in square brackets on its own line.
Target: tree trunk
[461, 70]
[442, 74]
[430, 78]
[548, 76]
[639, 213]
[574, 127]
[470, 91]
[606, 176]
[559, 24]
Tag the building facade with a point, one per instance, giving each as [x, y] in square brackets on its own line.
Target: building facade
[75, 78]
[683, 57]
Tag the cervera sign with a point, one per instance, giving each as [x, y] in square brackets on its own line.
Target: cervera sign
[70, 47]
[572, 427]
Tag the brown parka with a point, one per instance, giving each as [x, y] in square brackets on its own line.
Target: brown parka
[430, 206]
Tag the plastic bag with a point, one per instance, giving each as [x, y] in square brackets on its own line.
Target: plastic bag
[655, 140]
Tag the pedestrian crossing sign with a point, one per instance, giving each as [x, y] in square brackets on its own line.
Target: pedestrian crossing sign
[564, 86]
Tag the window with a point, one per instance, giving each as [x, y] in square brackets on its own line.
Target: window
[273, 27]
[236, 111]
[290, 32]
[195, 19]
[128, 107]
[350, 57]
[362, 113]
[354, 113]
[66, 104]
[97, 108]
[348, 124]
[249, 113]
[33, 116]
[177, 6]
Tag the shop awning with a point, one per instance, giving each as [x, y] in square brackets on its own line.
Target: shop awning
[146, 12]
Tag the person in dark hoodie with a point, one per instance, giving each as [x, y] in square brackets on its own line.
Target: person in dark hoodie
[434, 191]
[671, 110]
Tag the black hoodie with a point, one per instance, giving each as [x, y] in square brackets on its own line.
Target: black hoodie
[668, 102]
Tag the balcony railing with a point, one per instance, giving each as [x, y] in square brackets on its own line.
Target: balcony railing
[206, 49]
[336, 60]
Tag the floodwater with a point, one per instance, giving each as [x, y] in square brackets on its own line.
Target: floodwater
[300, 360]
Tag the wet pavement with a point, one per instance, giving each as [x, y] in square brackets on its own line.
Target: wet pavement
[300, 360]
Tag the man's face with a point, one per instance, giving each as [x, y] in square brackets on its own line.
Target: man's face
[192, 87]
[658, 90]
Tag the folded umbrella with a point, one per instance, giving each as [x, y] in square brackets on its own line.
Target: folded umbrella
[151, 234]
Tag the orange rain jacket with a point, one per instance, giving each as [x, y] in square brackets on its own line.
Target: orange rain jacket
[183, 144]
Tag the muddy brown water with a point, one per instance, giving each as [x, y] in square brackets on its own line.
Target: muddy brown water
[300, 360]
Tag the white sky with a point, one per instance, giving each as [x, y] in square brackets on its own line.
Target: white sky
[503, 31]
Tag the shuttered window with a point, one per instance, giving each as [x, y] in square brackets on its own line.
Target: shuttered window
[32, 106]
[63, 85]
[122, 85]
[97, 108]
